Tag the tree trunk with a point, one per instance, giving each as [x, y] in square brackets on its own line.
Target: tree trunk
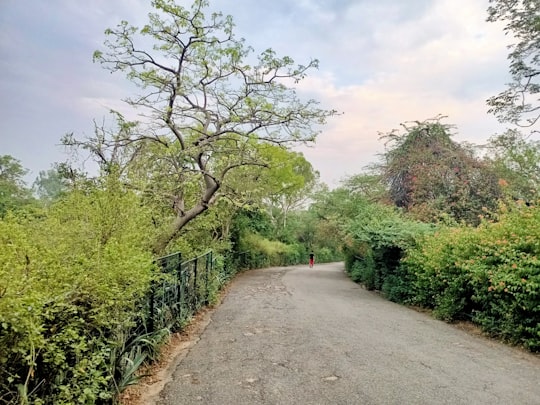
[182, 220]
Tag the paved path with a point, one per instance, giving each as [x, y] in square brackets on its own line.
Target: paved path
[311, 336]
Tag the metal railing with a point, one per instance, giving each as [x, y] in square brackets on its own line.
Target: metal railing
[180, 292]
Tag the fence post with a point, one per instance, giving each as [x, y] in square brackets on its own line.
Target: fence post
[151, 304]
[179, 283]
[195, 293]
[208, 264]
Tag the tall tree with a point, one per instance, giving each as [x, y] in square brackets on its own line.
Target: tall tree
[516, 160]
[289, 183]
[50, 185]
[519, 103]
[13, 191]
[431, 175]
[203, 105]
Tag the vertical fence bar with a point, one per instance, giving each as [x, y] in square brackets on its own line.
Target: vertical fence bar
[207, 270]
[188, 291]
[183, 298]
[179, 285]
[151, 304]
[195, 292]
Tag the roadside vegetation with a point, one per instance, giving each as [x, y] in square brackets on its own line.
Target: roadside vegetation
[467, 253]
[211, 165]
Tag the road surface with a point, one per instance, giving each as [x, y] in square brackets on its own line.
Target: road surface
[297, 335]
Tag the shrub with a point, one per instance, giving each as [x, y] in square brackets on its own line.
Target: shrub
[376, 241]
[490, 274]
[70, 284]
[262, 252]
[506, 277]
[437, 282]
[397, 287]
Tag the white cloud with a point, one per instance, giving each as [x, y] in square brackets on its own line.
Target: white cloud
[382, 63]
[448, 62]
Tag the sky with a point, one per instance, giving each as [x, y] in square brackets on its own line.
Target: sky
[381, 63]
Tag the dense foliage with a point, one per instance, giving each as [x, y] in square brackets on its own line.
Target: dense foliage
[434, 177]
[377, 240]
[490, 274]
[256, 236]
[75, 278]
[474, 257]
[13, 192]
[70, 283]
[516, 160]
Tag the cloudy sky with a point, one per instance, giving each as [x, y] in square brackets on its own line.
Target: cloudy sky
[382, 63]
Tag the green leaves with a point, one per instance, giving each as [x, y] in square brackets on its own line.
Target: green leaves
[70, 281]
[14, 195]
[435, 178]
[490, 273]
[516, 160]
[377, 238]
[210, 109]
[518, 104]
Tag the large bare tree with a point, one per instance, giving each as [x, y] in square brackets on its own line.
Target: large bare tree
[206, 103]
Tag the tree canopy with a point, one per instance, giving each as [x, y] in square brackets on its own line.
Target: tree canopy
[206, 104]
[13, 190]
[50, 184]
[431, 175]
[516, 159]
[519, 103]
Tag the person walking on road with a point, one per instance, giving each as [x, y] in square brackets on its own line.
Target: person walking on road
[311, 259]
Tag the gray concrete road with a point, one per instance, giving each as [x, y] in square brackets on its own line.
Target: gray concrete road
[311, 336]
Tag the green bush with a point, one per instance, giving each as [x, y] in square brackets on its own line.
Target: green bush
[437, 282]
[376, 242]
[490, 274]
[506, 278]
[327, 255]
[397, 286]
[259, 252]
[70, 283]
